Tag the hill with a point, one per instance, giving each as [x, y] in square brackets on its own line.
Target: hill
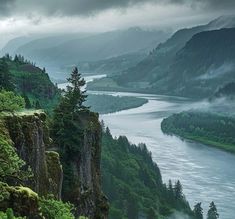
[188, 54]
[28, 80]
[64, 51]
[133, 182]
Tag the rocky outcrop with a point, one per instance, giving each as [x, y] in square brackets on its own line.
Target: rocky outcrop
[30, 136]
[86, 193]
[55, 173]
[22, 200]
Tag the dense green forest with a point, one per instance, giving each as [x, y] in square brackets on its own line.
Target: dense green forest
[110, 104]
[211, 129]
[133, 183]
[22, 76]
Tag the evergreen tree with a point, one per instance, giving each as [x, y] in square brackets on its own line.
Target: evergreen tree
[178, 190]
[212, 212]
[38, 105]
[16, 59]
[171, 193]
[5, 77]
[151, 214]
[27, 102]
[198, 211]
[66, 130]
[74, 94]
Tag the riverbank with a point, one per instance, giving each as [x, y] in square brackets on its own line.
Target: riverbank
[209, 129]
[104, 104]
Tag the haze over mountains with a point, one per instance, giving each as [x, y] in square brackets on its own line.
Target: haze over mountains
[70, 49]
[193, 62]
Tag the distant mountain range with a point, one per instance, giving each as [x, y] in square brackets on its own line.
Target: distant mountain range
[70, 49]
[193, 62]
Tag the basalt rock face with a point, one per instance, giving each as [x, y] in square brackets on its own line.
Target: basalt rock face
[29, 134]
[86, 193]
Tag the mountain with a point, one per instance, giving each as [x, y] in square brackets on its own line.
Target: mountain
[112, 65]
[228, 91]
[175, 59]
[60, 51]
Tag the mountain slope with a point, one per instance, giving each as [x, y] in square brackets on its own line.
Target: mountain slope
[159, 65]
[66, 50]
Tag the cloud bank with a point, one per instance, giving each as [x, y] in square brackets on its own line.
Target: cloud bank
[92, 7]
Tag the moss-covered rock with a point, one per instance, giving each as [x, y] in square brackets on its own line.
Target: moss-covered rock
[22, 200]
[30, 136]
[55, 173]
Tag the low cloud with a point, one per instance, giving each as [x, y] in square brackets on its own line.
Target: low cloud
[91, 7]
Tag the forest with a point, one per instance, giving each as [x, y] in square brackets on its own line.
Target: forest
[211, 129]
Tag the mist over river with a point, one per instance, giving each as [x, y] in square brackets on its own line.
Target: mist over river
[207, 174]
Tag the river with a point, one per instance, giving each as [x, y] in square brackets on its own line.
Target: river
[207, 174]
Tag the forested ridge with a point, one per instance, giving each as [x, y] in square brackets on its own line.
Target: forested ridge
[133, 182]
[212, 129]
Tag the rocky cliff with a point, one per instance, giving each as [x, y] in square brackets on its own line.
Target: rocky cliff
[84, 191]
[30, 136]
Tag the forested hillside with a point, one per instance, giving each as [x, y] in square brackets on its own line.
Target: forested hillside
[133, 182]
[211, 129]
[193, 62]
[26, 79]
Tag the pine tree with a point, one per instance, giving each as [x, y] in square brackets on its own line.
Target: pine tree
[74, 92]
[66, 130]
[171, 193]
[5, 77]
[16, 59]
[198, 211]
[38, 105]
[151, 214]
[212, 212]
[178, 190]
[27, 102]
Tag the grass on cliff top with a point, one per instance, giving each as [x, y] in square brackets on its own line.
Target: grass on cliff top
[22, 112]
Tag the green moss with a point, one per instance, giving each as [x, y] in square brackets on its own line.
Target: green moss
[55, 172]
[22, 200]
[29, 193]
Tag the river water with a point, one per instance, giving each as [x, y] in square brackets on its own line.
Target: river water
[207, 174]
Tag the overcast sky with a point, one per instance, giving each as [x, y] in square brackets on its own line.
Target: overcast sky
[22, 17]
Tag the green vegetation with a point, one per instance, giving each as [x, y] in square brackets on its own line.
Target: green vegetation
[24, 78]
[110, 104]
[212, 212]
[133, 183]
[211, 129]
[9, 215]
[11, 165]
[66, 130]
[11, 102]
[54, 209]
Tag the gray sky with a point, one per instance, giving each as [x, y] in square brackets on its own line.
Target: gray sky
[22, 17]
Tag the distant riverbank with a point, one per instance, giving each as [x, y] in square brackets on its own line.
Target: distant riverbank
[209, 129]
[104, 104]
